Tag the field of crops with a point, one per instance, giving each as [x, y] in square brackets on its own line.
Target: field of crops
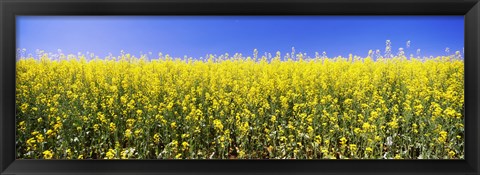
[240, 108]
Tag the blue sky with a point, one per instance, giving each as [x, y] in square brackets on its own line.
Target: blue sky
[196, 36]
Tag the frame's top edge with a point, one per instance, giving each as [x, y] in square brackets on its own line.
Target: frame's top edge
[247, 1]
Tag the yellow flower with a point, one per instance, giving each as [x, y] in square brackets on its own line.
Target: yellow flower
[369, 150]
[378, 138]
[113, 127]
[96, 127]
[21, 125]
[241, 154]
[273, 119]
[218, 124]
[185, 136]
[128, 133]
[31, 141]
[174, 143]
[451, 153]
[47, 154]
[130, 122]
[40, 138]
[138, 132]
[443, 137]
[185, 145]
[110, 154]
[443, 134]
[156, 138]
[310, 129]
[24, 107]
[139, 112]
[57, 126]
[357, 130]
[124, 154]
[353, 147]
[343, 141]
[324, 150]
[49, 132]
[366, 126]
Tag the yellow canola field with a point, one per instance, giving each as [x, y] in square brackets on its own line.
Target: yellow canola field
[337, 108]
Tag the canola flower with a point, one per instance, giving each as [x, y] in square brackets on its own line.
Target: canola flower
[110, 154]
[291, 107]
[47, 154]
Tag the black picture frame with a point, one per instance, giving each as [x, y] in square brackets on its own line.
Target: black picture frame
[10, 8]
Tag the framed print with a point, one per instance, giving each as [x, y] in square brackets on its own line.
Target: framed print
[302, 87]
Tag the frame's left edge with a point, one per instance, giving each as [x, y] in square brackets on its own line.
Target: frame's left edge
[477, 45]
[7, 88]
[3, 165]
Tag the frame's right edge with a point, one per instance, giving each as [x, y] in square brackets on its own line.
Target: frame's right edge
[472, 78]
[3, 164]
